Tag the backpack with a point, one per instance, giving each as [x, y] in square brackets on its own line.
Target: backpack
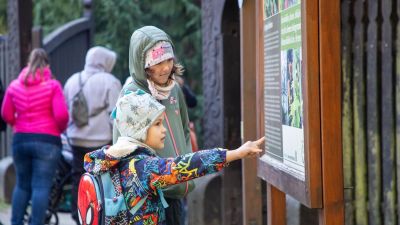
[80, 110]
[101, 201]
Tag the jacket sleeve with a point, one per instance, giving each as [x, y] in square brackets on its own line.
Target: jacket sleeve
[60, 110]
[98, 162]
[163, 172]
[8, 109]
[190, 97]
[185, 119]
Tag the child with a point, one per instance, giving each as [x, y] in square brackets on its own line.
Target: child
[139, 119]
[153, 68]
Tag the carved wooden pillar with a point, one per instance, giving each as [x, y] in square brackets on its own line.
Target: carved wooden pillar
[212, 74]
[19, 16]
[221, 88]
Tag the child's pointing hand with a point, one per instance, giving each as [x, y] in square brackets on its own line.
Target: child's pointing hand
[248, 149]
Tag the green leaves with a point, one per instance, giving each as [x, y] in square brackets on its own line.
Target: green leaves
[51, 14]
[3, 16]
[181, 19]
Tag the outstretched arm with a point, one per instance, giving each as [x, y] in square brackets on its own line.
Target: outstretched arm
[248, 149]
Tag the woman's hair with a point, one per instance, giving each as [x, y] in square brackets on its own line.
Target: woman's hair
[37, 60]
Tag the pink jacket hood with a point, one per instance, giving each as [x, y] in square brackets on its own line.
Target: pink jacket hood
[37, 78]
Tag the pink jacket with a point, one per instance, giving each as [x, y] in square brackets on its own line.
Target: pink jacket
[37, 107]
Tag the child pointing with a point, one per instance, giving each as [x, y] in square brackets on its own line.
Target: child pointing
[139, 119]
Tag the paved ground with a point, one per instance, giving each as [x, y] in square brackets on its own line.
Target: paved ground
[5, 215]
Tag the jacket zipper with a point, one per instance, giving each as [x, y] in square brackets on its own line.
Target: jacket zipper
[175, 147]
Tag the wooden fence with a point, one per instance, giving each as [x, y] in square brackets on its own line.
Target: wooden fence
[5, 136]
[371, 110]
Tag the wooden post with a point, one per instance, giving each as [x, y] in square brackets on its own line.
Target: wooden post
[252, 198]
[373, 134]
[388, 112]
[37, 35]
[25, 25]
[332, 212]
[276, 201]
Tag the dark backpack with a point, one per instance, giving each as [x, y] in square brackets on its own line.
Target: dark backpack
[79, 108]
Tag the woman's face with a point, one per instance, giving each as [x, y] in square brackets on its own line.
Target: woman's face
[156, 134]
[160, 72]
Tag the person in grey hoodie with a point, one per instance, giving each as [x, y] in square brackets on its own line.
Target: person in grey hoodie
[101, 90]
[153, 67]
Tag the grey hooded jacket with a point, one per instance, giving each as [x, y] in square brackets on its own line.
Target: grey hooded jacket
[101, 92]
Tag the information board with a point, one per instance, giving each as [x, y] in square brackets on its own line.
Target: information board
[283, 98]
[291, 99]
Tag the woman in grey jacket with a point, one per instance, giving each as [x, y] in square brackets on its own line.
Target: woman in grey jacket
[101, 90]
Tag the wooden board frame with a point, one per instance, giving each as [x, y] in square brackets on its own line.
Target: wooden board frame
[309, 191]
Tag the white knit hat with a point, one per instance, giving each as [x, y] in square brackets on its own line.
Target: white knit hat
[135, 112]
[159, 52]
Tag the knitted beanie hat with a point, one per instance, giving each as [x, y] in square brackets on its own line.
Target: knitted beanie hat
[159, 52]
[135, 112]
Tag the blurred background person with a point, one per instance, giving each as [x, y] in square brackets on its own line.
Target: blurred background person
[34, 106]
[101, 90]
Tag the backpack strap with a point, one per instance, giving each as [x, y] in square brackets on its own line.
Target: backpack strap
[163, 201]
[81, 85]
[113, 203]
[141, 202]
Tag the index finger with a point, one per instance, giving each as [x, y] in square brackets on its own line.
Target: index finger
[260, 141]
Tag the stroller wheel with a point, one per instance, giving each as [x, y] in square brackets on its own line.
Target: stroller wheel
[51, 218]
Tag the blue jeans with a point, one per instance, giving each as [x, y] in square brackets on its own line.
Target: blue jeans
[35, 159]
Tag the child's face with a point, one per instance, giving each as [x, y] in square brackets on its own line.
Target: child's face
[160, 73]
[156, 134]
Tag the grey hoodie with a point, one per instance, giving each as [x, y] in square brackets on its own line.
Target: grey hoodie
[177, 141]
[101, 91]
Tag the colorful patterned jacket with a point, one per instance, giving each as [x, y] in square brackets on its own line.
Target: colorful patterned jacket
[142, 174]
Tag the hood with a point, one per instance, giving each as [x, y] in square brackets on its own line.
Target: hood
[142, 40]
[99, 59]
[38, 78]
[135, 112]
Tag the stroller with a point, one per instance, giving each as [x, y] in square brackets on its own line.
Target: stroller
[62, 184]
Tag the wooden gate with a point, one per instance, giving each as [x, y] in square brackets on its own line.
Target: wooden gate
[371, 110]
[67, 47]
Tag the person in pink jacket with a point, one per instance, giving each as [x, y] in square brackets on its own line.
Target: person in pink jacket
[35, 107]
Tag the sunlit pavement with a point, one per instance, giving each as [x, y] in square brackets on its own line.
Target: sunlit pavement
[5, 215]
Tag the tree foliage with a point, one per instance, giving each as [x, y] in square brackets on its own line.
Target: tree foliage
[3, 16]
[181, 19]
[51, 14]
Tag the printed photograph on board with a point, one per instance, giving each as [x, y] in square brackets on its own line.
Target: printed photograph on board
[271, 7]
[284, 4]
[291, 93]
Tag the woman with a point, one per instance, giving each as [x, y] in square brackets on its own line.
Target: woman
[34, 106]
